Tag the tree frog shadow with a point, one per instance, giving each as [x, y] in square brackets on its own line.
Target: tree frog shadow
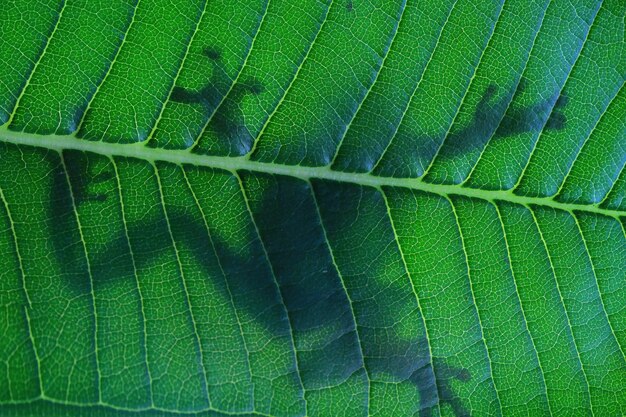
[496, 120]
[310, 299]
[441, 388]
[221, 100]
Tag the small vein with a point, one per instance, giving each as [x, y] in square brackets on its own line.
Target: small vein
[469, 85]
[278, 287]
[345, 290]
[570, 333]
[621, 175]
[586, 141]
[565, 83]
[532, 48]
[29, 306]
[32, 72]
[136, 277]
[106, 75]
[234, 82]
[417, 298]
[184, 282]
[419, 82]
[150, 135]
[522, 310]
[291, 83]
[224, 275]
[66, 174]
[136, 411]
[475, 305]
[378, 72]
[595, 279]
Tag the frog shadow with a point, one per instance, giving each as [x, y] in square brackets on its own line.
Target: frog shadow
[312, 302]
[498, 120]
[493, 120]
[220, 100]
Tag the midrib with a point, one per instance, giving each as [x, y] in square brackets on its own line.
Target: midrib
[138, 150]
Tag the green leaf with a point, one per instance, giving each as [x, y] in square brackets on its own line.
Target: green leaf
[312, 208]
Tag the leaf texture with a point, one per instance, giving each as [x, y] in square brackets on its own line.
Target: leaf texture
[312, 208]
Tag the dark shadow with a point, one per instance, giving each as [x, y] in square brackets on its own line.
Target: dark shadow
[495, 120]
[543, 115]
[63, 225]
[301, 265]
[223, 113]
[210, 95]
[349, 212]
[491, 121]
[313, 294]
[441, 388]
[446, 374]
[498, 120]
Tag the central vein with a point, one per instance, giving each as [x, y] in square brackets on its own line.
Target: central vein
[139, 151]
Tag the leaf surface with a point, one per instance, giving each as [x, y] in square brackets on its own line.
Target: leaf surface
[312, 208]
